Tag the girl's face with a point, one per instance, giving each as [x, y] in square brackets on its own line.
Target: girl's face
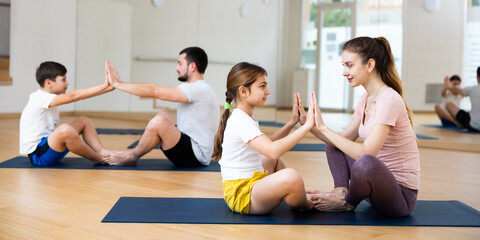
[353, 68]
[257, 95]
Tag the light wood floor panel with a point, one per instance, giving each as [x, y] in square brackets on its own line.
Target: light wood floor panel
[69, 204]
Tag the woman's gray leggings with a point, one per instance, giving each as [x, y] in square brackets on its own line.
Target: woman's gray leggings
[368, 178]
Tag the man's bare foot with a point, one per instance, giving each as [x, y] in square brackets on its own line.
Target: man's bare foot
[331, 204]
[121, 158]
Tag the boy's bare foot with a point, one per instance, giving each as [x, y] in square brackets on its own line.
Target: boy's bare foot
[121, 158]
[101, 161]
[106, 153]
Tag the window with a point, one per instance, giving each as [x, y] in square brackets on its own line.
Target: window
[342, 20]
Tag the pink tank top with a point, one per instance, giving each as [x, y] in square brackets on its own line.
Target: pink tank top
[399, 151]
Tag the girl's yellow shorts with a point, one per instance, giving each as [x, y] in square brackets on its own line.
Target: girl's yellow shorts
[237, 192]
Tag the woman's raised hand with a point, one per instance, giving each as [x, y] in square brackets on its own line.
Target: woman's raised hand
[310, 119]
[319, 124]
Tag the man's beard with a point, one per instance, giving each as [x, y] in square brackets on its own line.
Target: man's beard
[183, 78]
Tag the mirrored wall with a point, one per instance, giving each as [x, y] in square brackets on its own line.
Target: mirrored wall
[143, 41]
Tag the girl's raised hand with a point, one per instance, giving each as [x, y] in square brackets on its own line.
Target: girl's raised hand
[301, 110]
[319, 124]
[295, 114]
[298, 113]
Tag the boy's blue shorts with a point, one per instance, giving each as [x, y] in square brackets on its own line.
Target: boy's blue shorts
[45, 156]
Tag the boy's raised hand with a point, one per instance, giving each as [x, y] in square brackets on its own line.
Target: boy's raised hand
[446, 82]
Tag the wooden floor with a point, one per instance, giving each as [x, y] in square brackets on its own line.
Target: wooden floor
[70, 204]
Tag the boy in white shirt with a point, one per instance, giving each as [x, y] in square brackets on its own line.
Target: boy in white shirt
[40, 138]
[469, 120]
[454, 82]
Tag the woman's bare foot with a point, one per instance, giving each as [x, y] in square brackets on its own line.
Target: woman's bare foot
[337, 192]
[340, 192]
[121, 158]
[331, 204]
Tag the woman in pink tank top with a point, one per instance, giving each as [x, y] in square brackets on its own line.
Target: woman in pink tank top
[384, 169]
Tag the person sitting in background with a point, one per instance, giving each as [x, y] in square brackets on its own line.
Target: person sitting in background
[451, 93]
[469, 120]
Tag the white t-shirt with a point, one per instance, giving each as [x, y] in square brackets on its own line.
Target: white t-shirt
[449, 96]
[199, 118]
[37, 120]
[474, 93]
[239, 160]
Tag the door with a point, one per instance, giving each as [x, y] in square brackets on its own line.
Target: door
[336, 25]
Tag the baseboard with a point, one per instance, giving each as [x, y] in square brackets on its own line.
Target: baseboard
[132, 116]
[9, 115]
[449, 145]
[17, 115]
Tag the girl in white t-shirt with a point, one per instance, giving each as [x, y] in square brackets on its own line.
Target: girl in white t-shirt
[255, 179]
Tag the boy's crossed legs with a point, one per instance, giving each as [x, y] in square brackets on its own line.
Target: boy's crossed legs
[88, 145]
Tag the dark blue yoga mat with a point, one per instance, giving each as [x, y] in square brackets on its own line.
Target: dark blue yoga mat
[215, 211]
[298, 147]
[464, 130]
[270, 124]
[119, 131]
[82, 163]
[309, 147]
[419, 136]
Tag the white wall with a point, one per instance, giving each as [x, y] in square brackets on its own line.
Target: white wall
[161, 33]
[432, 47]
[104, 31]
[41, 30]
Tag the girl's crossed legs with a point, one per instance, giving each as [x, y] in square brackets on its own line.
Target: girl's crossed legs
[281, 183]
